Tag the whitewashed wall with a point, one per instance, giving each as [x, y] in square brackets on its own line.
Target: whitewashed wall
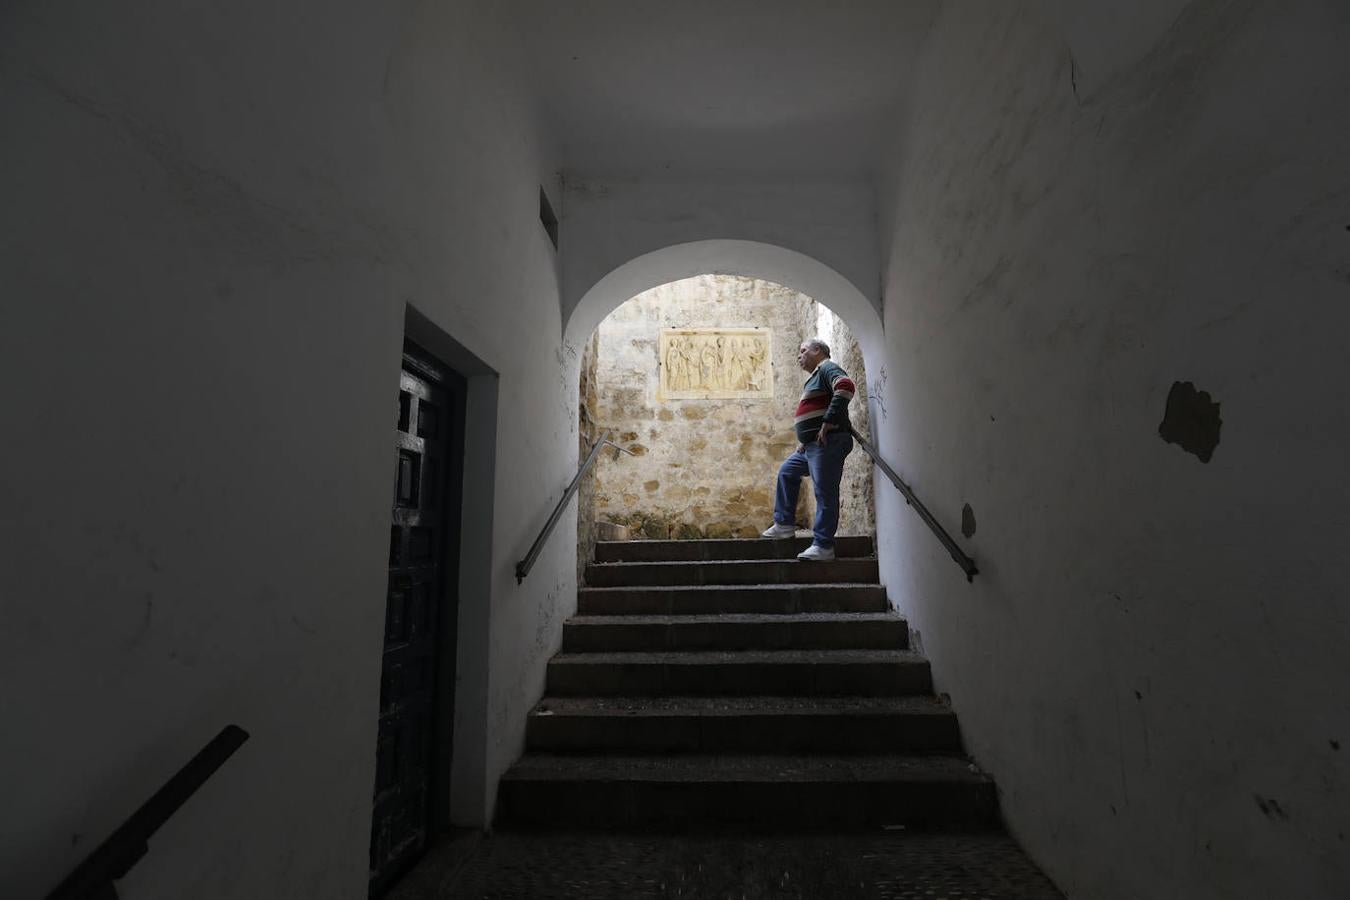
[214, 216]
[1152, 661]
[613, 221]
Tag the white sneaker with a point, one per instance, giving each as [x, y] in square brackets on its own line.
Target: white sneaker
[817, 552]
[779, 531]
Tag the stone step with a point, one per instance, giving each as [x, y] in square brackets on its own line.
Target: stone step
[805, 673]
[733, 572]
[701, 600]
[737, 631]
[742, 725]
[773, 790]
[730, 548]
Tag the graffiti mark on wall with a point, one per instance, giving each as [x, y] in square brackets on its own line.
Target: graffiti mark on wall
[716, 363]
[877, 393]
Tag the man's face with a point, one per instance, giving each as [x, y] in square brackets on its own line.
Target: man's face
[808, 357]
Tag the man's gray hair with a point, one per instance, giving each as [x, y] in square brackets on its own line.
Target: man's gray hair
[818, 344]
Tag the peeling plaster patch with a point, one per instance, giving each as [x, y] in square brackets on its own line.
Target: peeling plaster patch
[1191, 420]
[1271, 808]
[967, 521]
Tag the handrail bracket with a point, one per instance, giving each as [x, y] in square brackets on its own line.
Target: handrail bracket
[958, 555]
[523, 566]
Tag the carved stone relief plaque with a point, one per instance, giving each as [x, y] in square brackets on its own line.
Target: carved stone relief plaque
[715, 363]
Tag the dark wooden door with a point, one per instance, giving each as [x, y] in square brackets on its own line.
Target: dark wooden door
[419, 619]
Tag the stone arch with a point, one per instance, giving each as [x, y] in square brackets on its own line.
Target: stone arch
[728, 257]
[752, 259]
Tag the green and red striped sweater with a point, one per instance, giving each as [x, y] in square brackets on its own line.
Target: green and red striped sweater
[825, 398]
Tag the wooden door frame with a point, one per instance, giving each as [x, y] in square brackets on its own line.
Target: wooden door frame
[467, 781]
[423, 364]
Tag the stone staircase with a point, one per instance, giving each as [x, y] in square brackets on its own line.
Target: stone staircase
[724, 682]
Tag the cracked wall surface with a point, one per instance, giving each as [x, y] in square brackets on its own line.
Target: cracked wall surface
[1060, 262]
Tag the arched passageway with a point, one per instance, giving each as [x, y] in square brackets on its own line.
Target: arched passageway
[728, 257]
[706, 463]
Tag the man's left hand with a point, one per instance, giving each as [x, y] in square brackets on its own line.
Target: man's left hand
[825, 428]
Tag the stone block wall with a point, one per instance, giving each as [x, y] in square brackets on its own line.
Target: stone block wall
[705, 467]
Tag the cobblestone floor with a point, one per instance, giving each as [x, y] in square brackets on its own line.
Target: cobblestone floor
[736, 866]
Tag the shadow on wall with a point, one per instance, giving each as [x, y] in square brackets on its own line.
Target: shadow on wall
[699, 379]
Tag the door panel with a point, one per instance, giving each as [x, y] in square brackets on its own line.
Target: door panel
[418, 629]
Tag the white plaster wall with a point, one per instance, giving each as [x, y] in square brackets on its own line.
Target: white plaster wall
[723, 257]
[1104, 36]
[610, 222]
[214, 216]
[1152, 661]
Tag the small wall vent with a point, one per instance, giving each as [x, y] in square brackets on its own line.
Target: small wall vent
[548, 218]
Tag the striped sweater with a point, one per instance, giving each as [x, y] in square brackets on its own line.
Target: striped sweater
[825, 398]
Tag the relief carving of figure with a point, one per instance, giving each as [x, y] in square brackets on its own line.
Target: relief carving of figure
[705, 361]
[708, 363]
[741, 371]
[756, 380]
[677, 367]
[691, 362]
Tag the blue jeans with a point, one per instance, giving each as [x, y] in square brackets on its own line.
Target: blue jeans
[825, 465]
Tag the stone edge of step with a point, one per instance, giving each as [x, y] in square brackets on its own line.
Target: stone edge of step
[701, 706]
[688, 588]
[737, 618]
[720, 768]
[619, 565]
[855, 656]
[667, 543]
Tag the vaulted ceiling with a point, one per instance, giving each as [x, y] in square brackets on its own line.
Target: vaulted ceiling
[787, 87]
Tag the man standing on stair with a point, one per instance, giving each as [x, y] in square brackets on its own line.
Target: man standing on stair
[824, 439]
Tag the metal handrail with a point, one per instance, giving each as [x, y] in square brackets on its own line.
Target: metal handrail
[111, 860]
[965, 562]
[523, 567]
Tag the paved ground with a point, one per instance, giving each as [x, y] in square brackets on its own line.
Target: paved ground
[732, 865]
